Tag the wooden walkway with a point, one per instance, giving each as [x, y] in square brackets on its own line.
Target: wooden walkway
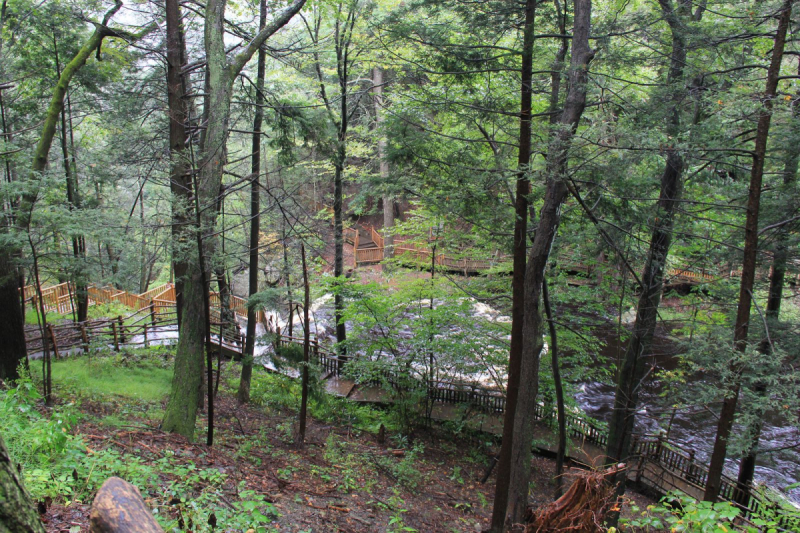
[369, 247]
[655, 463]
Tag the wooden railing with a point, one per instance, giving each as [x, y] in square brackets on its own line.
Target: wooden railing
[376, 237]
[369, 255]
[406, 249]
[350, 235]
[56, 298]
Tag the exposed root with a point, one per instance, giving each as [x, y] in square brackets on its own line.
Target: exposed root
[582, 508]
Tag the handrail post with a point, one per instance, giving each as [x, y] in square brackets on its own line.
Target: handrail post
[121, 331]
[116, 339]
[146, 345]
[85, 338]
[53, 339]
[152, 312]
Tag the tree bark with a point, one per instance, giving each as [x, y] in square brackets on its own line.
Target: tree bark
[73, 202]
[17, 512]
[180, 171]
[728, 412]
[13, 350]
[255, 219]
[634, 363]
[549, 218]
[561, 415]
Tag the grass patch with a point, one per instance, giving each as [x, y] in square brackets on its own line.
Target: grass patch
[107, 310]
[32, 317]
[128, 374]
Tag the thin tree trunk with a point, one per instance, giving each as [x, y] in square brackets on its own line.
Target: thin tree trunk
[286, 271]
[388, 200]
[81, 303]
[632, 370]
[338, 238]
[504, 464]
[255, 219]
[728, 412]
[301, 435]
[561, 452]
[549, 217]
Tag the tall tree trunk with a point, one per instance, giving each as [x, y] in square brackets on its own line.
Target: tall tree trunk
[338, 235]
[76, 275]
[181, 411]
[79, 241]
[301, 434]
[728, 412]
[634, 362]
[13, 351]
[388, 200]
[549, 217]
[255, 219]
[180, 180]
[287, 274]
[747, 466]
[17, 511]
[504, 464]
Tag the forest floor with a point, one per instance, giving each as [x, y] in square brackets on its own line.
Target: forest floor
[349, 476]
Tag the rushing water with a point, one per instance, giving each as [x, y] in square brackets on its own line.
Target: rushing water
[695, 427]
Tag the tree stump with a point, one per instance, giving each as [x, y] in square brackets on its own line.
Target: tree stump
[119, 508]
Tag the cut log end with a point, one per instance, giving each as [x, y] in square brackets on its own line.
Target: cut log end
[119, 508]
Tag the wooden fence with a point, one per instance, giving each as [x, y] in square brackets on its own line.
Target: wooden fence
[109, 332]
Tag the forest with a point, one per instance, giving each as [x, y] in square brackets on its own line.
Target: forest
[397, 266]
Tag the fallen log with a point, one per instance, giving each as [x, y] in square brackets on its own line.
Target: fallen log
[119, 508]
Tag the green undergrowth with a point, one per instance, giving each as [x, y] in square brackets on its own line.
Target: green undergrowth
[59, 465]
[141, 374]
[278, 392]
